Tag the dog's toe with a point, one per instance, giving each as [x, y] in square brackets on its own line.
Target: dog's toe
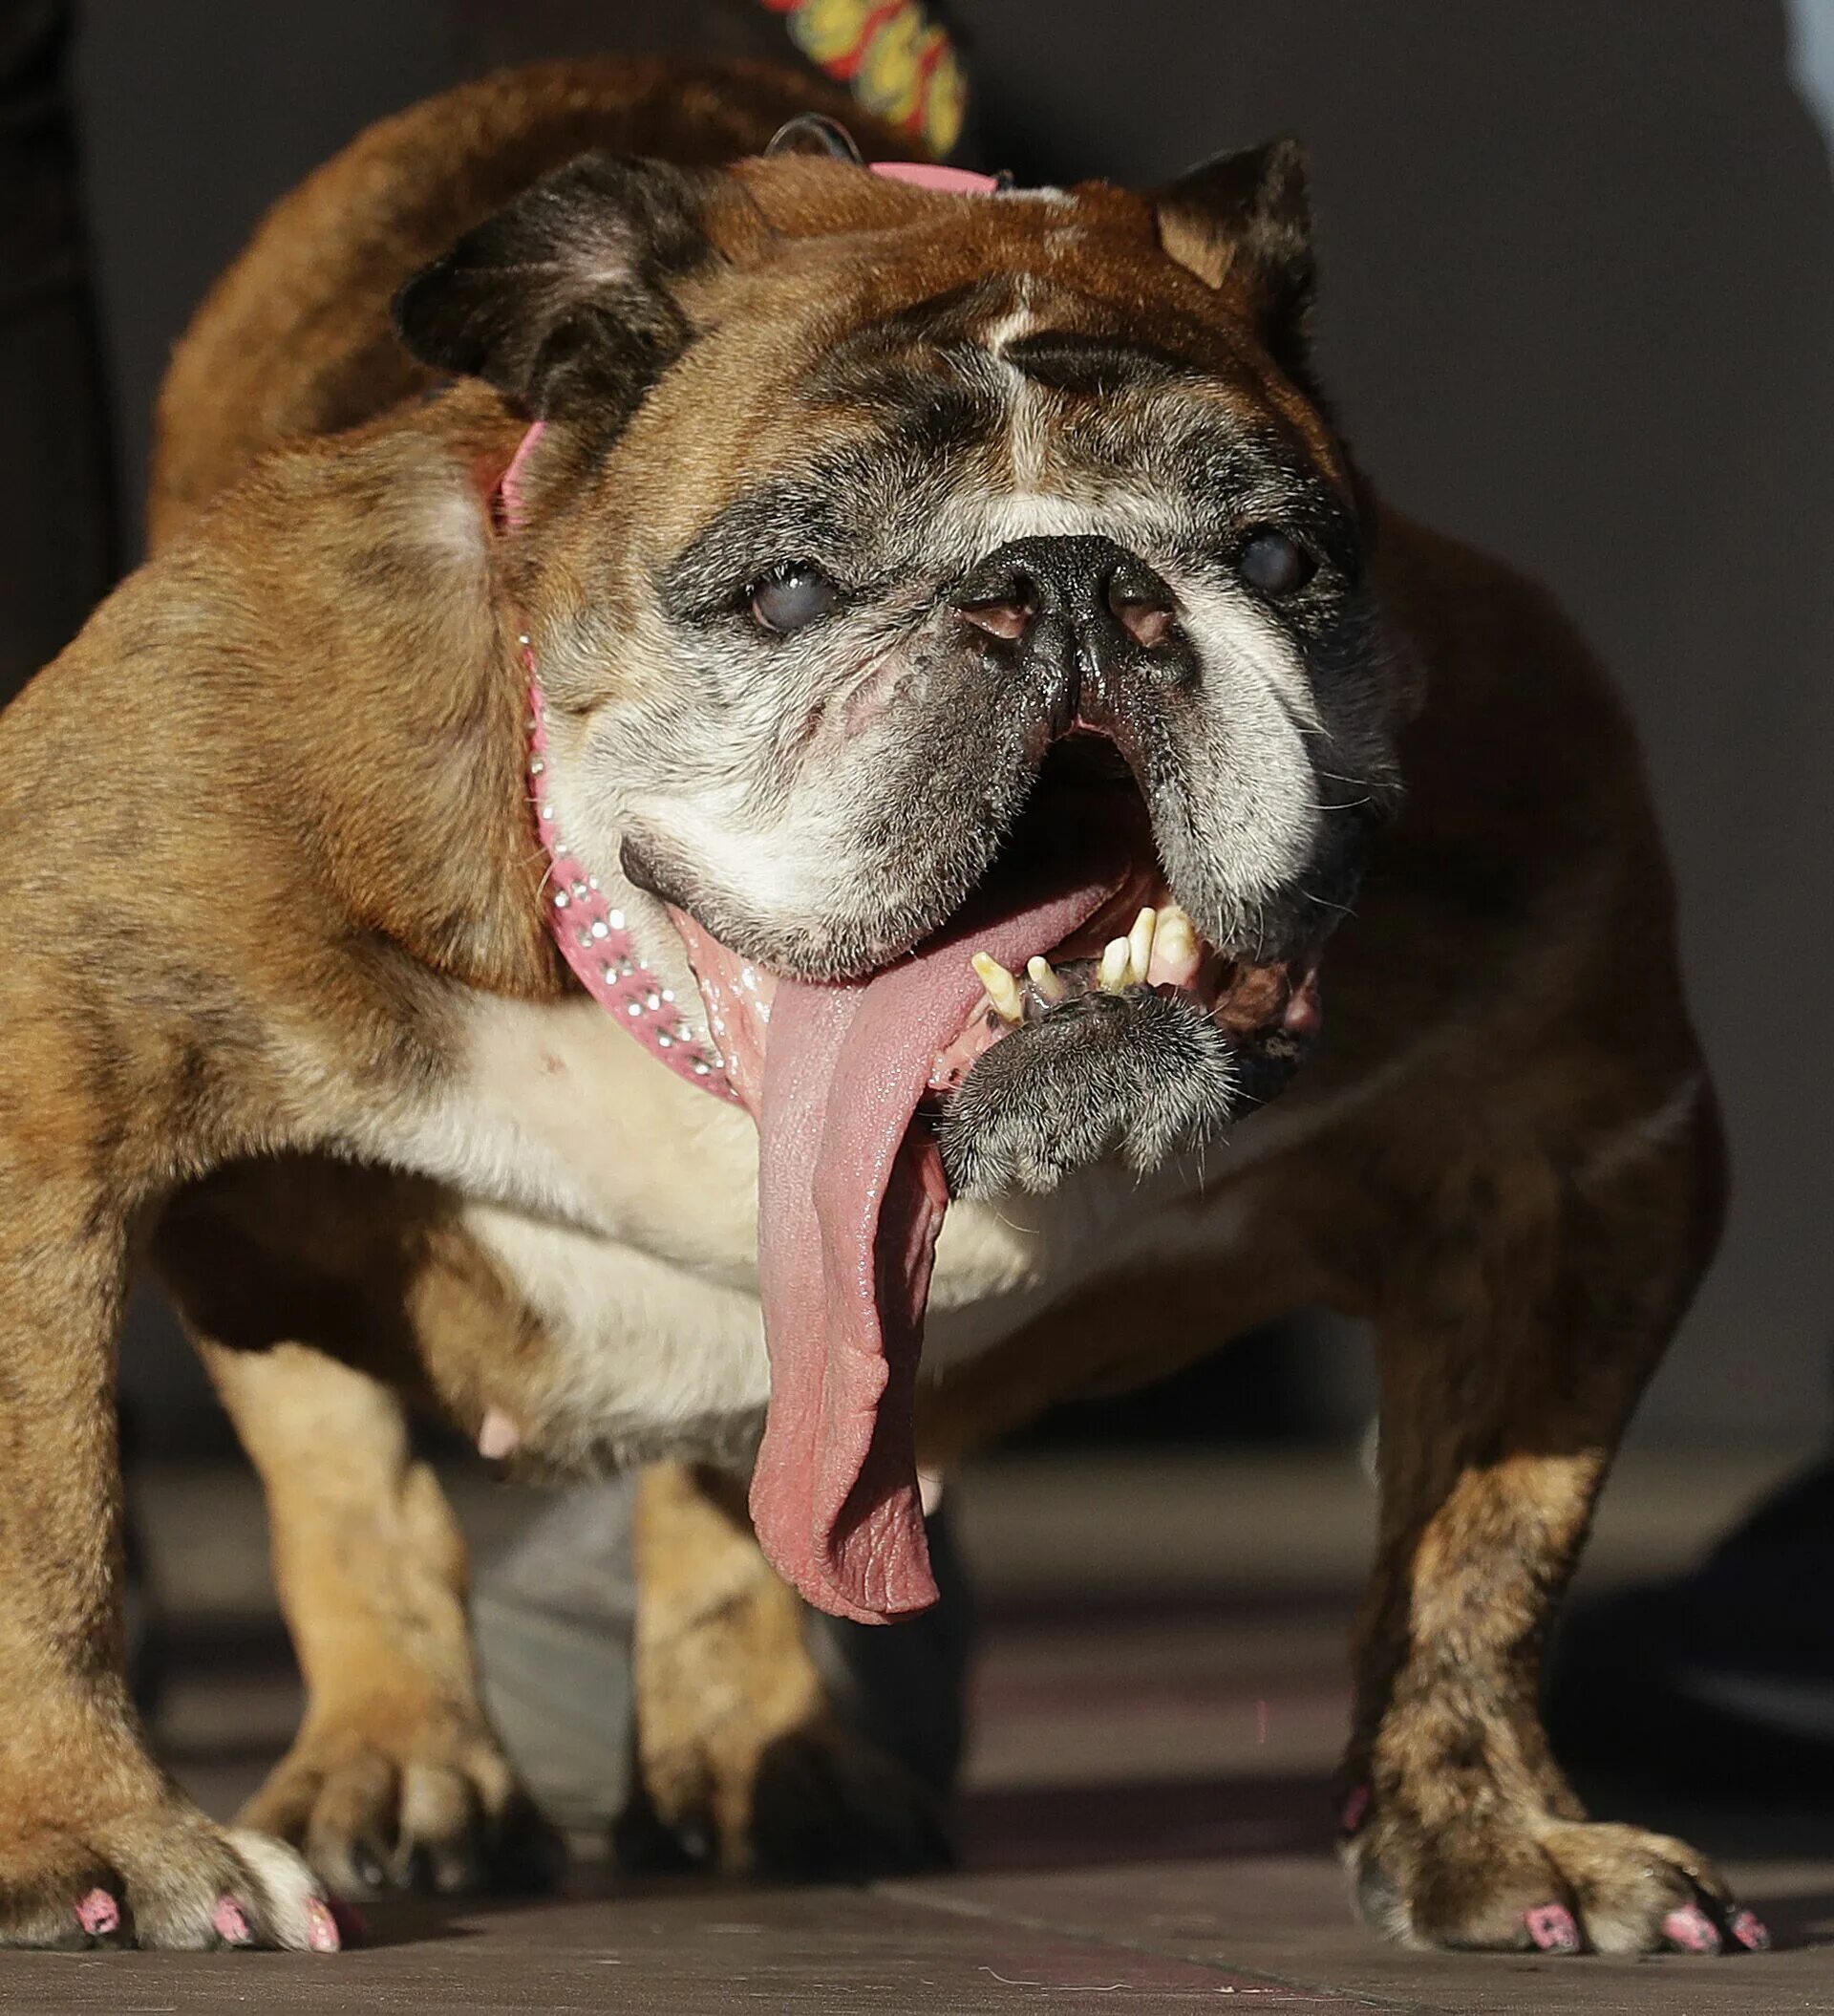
[165, 1876]
[818, 1804]
[1547, 1885]
[439, 1815]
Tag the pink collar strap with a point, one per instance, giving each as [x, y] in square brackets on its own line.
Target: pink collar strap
[932, 175]
[594, 938]
[591, 932]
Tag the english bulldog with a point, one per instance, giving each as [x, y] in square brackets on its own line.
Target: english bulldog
[706, 845]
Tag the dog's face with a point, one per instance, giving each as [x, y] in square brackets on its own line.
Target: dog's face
[904, 558]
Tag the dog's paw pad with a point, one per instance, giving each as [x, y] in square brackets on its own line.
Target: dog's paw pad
[322, 1935]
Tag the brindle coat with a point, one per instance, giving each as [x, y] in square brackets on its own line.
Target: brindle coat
[270, 893]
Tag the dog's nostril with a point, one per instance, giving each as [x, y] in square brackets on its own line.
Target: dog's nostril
[1000, 619]
[1142, 605]
[1007, 613]
[1149, 623]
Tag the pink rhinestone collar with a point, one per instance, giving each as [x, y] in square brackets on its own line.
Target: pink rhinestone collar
[591, 934]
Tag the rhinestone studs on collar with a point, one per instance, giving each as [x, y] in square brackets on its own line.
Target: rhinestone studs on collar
[593, 936]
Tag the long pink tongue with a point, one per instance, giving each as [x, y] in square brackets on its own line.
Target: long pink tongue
[851, 1197]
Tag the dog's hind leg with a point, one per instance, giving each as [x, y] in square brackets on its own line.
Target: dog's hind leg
[745, 1757]
[395, 1778]
[1515, 1336]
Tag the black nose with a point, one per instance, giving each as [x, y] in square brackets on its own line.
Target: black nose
[1087, 580]
[1082, 613]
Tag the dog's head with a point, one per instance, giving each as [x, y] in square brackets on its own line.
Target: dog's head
[917, 578]
[895, 554]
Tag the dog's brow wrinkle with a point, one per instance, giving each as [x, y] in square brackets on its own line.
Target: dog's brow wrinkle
[1090, 362]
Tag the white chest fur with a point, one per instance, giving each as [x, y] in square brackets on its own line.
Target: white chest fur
[621, 1203]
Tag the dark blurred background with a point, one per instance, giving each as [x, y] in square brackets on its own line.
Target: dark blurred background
[1578, 306]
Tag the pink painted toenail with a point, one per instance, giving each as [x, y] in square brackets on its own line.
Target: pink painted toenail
[1691, 1930]
[1553, 1928]
[320, 1927]
[230, 1922]
[1751, 1932]
[99, 1914]
[1355, 1810]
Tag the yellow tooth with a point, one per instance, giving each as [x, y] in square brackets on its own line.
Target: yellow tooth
[1177, 936]
[1043, 976]
[1002, 989]
[1111, 977]
[1139, 946]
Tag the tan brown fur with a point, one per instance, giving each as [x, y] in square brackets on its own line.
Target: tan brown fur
[313, 702]
[738, 1744]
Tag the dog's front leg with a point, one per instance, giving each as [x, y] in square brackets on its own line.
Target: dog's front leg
[744, 1757]
[1514, 1343]
[396, 1777]
[96, 1844]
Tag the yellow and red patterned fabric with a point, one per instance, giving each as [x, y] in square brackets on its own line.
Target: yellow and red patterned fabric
[894, 58]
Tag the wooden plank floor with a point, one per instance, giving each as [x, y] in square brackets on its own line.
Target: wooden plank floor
[1156, 1710]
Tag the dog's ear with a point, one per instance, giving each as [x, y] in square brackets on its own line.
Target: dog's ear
[563, 300]
[1242, 224]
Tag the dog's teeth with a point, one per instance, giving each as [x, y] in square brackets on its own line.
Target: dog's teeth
[1175, 945]
[1111, 977]
[1043, 976]
[1139, 946]
[1002, 989]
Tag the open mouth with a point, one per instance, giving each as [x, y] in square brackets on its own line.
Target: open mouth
[854, 1084]
[1141, 941]
[1138, 937]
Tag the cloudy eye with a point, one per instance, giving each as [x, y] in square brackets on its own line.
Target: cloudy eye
[793, 593]
[1275, 564]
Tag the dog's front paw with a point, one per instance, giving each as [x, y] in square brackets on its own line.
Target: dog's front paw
[1539, 1882]
[160, 1877]
[1137, 1072]
[817, 1804]
[423, 1806]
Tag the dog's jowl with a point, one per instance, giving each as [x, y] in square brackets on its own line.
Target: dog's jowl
[755, 815]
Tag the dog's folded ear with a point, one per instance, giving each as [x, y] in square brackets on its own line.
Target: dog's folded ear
[563, 300]
[1242, 224]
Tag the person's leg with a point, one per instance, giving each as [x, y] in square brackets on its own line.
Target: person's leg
[1731, 1665]
[57, 510]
